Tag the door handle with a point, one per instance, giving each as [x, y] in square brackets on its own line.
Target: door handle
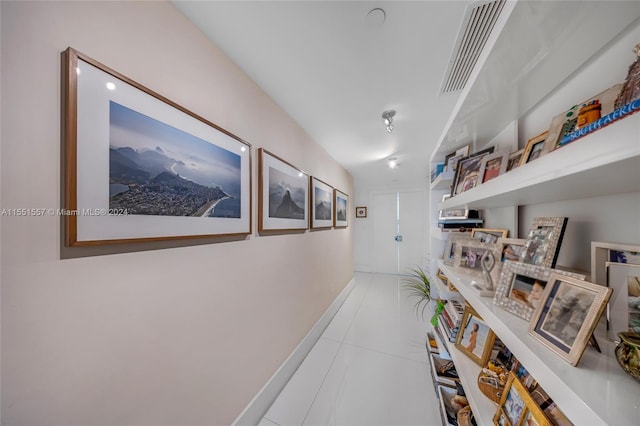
[398, 238]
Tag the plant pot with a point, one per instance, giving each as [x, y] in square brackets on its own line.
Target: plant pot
[628, 353]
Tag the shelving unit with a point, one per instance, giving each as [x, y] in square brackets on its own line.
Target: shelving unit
[518, 73]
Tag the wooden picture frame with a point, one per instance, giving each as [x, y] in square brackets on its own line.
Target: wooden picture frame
[492, 166]
[543, 241]
[567, 315]
[536, 147]
[488, 235]
[517, 407]
[340, 209]
[453, 213]
[139, 167]
[510, 249]
[514, 159]
[361, 212]
[475, 339]
[321, 204]
[283, 195]
[521, 286]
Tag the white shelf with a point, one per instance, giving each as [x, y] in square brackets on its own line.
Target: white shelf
[602, 163]
[596, 392]
[444, 292]
[443, 181]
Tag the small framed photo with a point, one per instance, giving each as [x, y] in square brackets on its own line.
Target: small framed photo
[361, 212]
[469, 254]
[475, 339]
[602, 252]
[567, 315]
[453, 213]
[517, 406]
[450, 247]
[321, 204]
[451, 160]
[340, 206]
[514, 159]
[510, 249]
[486, 235]
[520, 287]
[543, 241]
[468, 172]
[534, 149]
[623, 309]
[492, 166]
[283, 195]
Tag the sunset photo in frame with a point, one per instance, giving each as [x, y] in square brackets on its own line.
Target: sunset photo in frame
[139, 167]
[283, 195]
[321, 204]
[567, 315]
[340, 209]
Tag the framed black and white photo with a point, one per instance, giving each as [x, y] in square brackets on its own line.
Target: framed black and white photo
[567, 315]
[321, 204]
[283, 195]
[139, 167]
[341, 207]
[543, 241]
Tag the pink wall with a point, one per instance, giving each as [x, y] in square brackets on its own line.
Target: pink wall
[177, 335]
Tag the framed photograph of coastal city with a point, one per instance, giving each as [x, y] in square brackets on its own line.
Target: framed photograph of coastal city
[139, 167]
[321, 204]
[340, 209]
[283, 195]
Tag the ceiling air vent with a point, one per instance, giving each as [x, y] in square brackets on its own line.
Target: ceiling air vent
[479, 19]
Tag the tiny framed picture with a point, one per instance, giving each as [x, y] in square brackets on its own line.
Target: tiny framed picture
[543, 241]
[510, 249]
[520, 287]
[321, 204]
[283, 195]
[486, 235]
[340, 206]
[453, 213]
[475, 339]
[517, 406]
[492, 166]
[361, 212]
[568, 313]
[534, 149]
[514, 159]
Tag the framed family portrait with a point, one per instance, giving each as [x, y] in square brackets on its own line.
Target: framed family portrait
[520, 287]
[340, 209]
[492, 166]
[568, 313]
[487, 235]
[536, 147]
[475, 339]
[543, 241]
[469, 256]
[517, 407]
[139, 167]
[321, 204]
[283, 195]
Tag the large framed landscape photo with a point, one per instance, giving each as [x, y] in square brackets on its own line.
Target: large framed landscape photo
[321, 204]
[283, 195]
[139, 167]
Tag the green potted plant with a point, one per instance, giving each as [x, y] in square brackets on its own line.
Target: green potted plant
[418, 285]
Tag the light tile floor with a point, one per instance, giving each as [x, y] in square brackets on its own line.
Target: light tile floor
[369, 367]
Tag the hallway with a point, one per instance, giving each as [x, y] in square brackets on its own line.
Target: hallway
[368, 368]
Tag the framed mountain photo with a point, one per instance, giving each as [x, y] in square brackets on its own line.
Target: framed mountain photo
[321, 204]
[340, 209]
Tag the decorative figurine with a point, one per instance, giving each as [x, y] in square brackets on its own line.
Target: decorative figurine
[631, 87]
[488, 261]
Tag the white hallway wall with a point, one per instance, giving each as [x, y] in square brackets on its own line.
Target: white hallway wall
[182, 334]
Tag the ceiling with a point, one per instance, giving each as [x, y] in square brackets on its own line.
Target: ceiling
[335, 69]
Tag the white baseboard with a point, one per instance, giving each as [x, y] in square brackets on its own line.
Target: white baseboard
[253, 413]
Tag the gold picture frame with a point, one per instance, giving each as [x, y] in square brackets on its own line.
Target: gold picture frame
[487, 235]
[517, 407]
[475, 339]
[536, 147]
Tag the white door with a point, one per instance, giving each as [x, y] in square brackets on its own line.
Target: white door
[397, 231]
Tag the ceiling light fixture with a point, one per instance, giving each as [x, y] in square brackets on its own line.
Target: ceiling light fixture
[393, 162]
[388, 119]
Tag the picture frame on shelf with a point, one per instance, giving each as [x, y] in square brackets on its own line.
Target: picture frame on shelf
[442, 276]
[517, 406]
[623, 309]
[139, 167]
[514, 159]
[543, 241]
[340, 209]
[468, 257]
[452, 213]
[283, 195]
[492, 166]
[567, 315]
[361, 212]
[536, 147]
[510, 249]
[449, 252]
[602, 252]
[451, 160]
[321, 204]
[475, 339]
[468, 171]
[520, 287]
[487, 235]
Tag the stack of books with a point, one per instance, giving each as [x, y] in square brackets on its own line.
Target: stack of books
[451, 317]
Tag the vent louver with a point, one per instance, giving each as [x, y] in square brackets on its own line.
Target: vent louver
[475, 30]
